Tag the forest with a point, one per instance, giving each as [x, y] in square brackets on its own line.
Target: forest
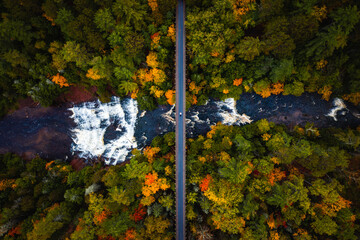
[127, 48]
[259, 181]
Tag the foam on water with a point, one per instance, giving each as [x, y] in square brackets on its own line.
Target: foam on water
[229, 114]
[338, 106]
[93, 119]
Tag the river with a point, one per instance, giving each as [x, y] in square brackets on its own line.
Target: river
[111, 130]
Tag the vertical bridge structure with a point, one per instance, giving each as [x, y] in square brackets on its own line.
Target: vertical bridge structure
[180, 120]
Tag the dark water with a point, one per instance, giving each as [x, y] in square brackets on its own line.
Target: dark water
[52, 132]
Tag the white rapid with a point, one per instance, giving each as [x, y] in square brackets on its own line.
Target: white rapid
[338, 106]
[94, 118]
[229, 114]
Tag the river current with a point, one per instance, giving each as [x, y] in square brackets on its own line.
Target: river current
[111, 130]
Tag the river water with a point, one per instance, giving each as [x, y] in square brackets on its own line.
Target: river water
[111, 130]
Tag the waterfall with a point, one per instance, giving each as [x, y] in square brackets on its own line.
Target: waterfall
[94, 120]
[338, 106]
[229, 114]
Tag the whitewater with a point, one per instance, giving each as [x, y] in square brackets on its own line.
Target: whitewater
[111, 130]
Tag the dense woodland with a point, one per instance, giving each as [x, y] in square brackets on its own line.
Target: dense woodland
[126, 47]
[273, 47]
[122, 47]
[259, 181]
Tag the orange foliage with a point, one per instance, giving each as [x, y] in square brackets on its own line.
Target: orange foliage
[79, 227]
[93, 74]
[266, 136]
[101, 217]
[276, 175]
[47, 166]
[204, 185]
[15, 231]
[130, 234]
[226, 91]
[277, 88]
[150, 152]
[326, 92]
[134, 94]
[194, 100]
[331, 208]
[238, 82]
[265, 93]
[154, 184]
[109, 237]
[153, 5]
[6, 183]
[193, 88]
[155, 39]
[271, 221]
[353, 98]
[241, 7]
[60, 80]
[49, 19]
[170, 96]
[215, 54]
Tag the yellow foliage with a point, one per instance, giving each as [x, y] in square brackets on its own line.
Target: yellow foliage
[172, 32]
[147, 201]
[274, 235]
[224, 156]
[170, 96]
[93, 74]
[151, 59]
[168, 170]
[211, 132]
[326, 92]
[158, 75]
[321, 64]
[331, 209]
[353, 98]
[150, 152]
[229, 58]
[211, 195]
[275, 160]
[60, 80]
[247, 88]
[202, 159]
[238, 82]
[319, 13]
[156, 91]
